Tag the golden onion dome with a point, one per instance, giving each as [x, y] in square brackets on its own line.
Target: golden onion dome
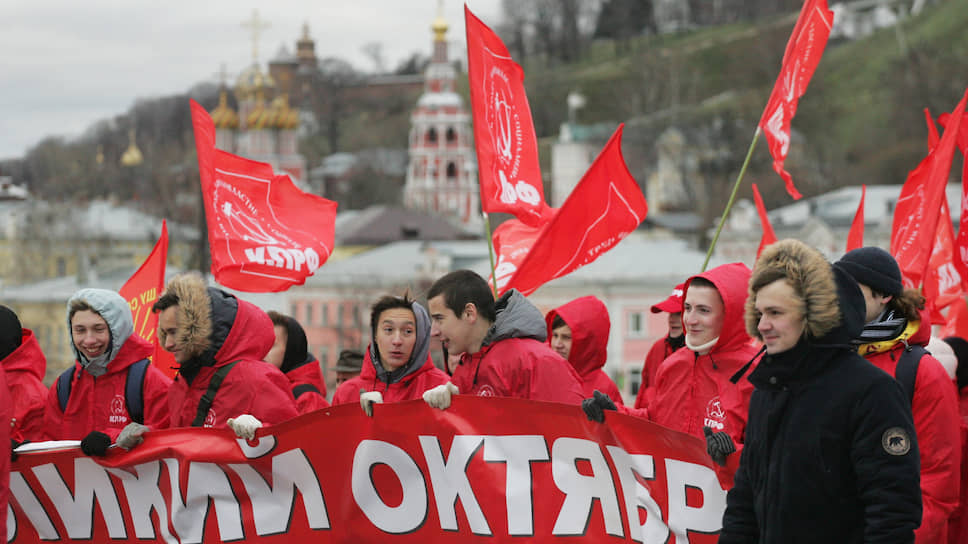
[223, 115]
[283, 117]
[259, 116]
[439, 27]
[132, 155]
[251, 81]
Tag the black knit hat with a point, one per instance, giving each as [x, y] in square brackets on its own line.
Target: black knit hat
[875, 268]
[11, 332]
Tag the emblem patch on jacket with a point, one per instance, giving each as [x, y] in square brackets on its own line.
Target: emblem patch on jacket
[896, 441]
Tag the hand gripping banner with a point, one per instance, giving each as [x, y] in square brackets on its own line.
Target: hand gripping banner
[410, 473]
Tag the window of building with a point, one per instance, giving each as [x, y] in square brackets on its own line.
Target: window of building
[324, 315]
[340, 315]
[636, 325]
[451, 170]
[294, 309]
[432, 135]
[635, 380]
[451, 135]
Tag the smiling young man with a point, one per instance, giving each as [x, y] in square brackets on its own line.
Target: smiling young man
[397, 365]
[90, 400]
[502, 343]
[700, 390]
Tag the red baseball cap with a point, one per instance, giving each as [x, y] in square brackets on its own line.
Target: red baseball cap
[673, 304]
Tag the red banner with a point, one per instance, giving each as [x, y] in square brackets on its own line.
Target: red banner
[855, 238]
[507, 149]
[605, 206]
[800, 60]
[768, 235]
[961, 240]
[916, 213]
[264, 233]
[141, 291]
[336, 475]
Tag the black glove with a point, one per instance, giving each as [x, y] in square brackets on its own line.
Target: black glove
[95, 443]
[13, 446]
[595, 406]
[719, 445]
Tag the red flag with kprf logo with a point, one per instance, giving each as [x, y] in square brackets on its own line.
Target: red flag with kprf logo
[141, 291]
[768, 235]
[605, 206]
[918, 206]
[800, 60]
[507, 149]
[264, 233]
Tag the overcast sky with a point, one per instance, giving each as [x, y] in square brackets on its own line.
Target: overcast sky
[66, 64]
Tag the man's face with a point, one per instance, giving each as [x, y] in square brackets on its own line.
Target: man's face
[278, 350]
[396, 334]
[675, 324]
[168, 324]
[781, 322]
[561, 341]
[703, 312]
[90, 333]
[454, 331]
[875, 303]
[343, 376]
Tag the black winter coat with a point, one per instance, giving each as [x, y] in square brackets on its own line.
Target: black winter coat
[830, 452]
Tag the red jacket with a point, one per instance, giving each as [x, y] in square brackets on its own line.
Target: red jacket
[937, 423]
[587, 317]
[659, 352]
[251, 387]
[411, 387]
[100, 404]
[514, 360]
[694, 391]
[24, 369]
[306, 382]
[6, 412]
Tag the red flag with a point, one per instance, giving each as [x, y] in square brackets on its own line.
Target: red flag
[855, 238]
[932, 130]
[605, 206]
[957, 320]
[916, 213]
[961, 240]
[942, 283]
[512, 242]
[507, 149]
[803, 52]
[264, 233]
[141, 291]
[768, 235]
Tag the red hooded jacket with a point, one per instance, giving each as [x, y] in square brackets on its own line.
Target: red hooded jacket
[308, 387]
[514, 360]
[937, 423]
[694, 391]
[587, 317]
[241, 333]
[427, 376]
[6, 412]
[24, 369]
[84, 415]
[660, 351]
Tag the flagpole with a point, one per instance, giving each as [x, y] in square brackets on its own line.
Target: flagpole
[490, 251]
[732, 197]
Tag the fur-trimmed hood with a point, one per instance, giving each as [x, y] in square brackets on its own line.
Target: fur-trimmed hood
[215, 327]
[823, 291]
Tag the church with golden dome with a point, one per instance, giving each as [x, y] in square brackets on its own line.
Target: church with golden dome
[265, 127]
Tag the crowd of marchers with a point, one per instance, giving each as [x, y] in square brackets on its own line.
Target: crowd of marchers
[829, 410]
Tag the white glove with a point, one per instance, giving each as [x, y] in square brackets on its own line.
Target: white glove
[368, 399]
[439, 397]
[131, 435]
[244, 426]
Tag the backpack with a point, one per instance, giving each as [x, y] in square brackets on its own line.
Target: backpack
[906, 371]
[134, 386]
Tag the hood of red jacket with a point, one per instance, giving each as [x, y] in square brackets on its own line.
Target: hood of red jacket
[732, 282]
[27, 357]
[250, 335]
[587, 317]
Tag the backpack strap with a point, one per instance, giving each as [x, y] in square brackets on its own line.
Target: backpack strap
[906, 371]
[64, 384]
[205, 403]
[134, 389]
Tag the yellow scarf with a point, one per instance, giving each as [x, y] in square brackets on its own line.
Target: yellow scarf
[888, 345]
